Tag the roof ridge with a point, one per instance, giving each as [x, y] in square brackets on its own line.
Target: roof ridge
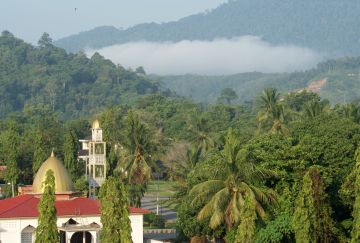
[19, 204]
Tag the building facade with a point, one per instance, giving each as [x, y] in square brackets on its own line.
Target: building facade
[78, 218]
[93, 152]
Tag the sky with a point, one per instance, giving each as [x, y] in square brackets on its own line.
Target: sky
[28, 19]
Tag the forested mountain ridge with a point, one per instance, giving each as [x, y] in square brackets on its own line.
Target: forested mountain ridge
[342, 82]
[328, 26]
[71, 84]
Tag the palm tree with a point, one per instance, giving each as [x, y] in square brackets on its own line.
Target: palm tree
[273, 115]
[280, 118]
[199, 127]
[351, 111]
[269, 99]
[314, 108]
[133, 164]
[239, 197]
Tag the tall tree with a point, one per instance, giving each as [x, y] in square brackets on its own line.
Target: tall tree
[45, 40]
[311, 219]
[351, 111]
[314, 108]
[70, 149]
[134, 165]
[355, 233]
[114, 212]
[227, 95]
[272, 116]
[246, 229]
[200, 128]
[47, 229]
[228, 200]
[11, 145]
[268, 101]
[40, 153]
[180, 159]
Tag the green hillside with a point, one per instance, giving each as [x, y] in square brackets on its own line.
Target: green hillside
[72, 84]
[329, 26]
[342, 82]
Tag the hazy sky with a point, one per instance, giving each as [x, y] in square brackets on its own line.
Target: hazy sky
[28, 19]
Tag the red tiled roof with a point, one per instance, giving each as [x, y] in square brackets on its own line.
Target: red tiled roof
[25, 206]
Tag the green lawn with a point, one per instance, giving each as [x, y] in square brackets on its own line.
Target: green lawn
[166, 188]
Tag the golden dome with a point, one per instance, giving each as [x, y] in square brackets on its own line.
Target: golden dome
[95, 124]
[63, 181]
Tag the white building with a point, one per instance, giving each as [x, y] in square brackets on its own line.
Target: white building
[78, 218]
[93, 152]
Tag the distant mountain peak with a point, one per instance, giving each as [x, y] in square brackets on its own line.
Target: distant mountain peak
[327, 26]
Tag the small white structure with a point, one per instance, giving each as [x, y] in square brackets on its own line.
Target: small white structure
[93, 152]
[78, 218]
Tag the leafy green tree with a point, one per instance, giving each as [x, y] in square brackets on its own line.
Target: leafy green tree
[45, 40]
[246, 229]
[111, 161]
[40, 153]
[279, 228]
[11, 146]
[111, 123]
[227, 95]
[296, 100]
[180, 159]
[312, 220]
[114, 212]
[47, 229]
[227, 198]
[355, 233]
[71, 149]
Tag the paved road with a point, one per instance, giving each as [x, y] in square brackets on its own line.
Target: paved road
[149, 203]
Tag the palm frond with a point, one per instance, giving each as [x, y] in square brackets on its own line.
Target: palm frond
[204, 191]
[216, 208]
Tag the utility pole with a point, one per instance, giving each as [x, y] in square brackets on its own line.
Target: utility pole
[12, 189]
[157, 196]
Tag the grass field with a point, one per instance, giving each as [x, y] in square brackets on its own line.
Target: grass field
[166, 188]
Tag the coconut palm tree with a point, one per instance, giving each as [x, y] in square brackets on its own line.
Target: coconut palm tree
[199, 127]
[314, 108]
[273, 116]
[268, 100]
[238, 198]
[351, 111]
[280, 117]
[133, 164]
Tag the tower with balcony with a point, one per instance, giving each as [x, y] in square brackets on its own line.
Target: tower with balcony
[93, 152]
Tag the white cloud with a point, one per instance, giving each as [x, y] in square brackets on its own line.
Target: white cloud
[221, 56]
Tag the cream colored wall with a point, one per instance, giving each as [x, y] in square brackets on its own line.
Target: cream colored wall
[137, 228]
[10, 229]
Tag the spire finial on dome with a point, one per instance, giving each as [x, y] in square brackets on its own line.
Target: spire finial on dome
[52, 153]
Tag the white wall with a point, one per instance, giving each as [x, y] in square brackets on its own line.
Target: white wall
[10, 229]
[137, 228]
